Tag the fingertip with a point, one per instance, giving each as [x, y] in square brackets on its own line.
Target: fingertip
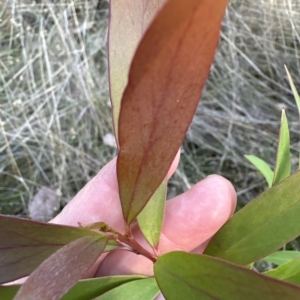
[225, 187]
[198, 214]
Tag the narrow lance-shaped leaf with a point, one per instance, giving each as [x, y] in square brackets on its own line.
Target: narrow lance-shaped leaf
[24, 244]
[58, 273]
[295, 92]
[282, 257]
[283, 159]
[262, 167]
[166, 78]
[289, 271]
[273, 217]
[183, 275]
[151, 217]
[128, 21]
[145, 289]
[296, 96]
[84, 289]
[91, 288]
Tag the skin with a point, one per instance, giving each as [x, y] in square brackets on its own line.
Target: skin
[191, 218]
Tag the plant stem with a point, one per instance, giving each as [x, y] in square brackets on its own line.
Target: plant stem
[127, 239]
[136, 247]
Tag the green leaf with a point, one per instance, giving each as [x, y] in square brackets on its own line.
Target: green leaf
[8, 292]
[24, 244]
[289, 271]
[145, 289]
[91, 288]
[296, 95]
[58, 273]
[262, 167]
[283, 159]
[121, 48]
[165, 81]
[295, 92]
[262, 226]
[183, 275]
[151, 217]
[282, 257]
[84, 289]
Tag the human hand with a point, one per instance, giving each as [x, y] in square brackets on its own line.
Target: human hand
[191, 219]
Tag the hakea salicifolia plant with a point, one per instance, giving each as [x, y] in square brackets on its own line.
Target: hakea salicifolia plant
[160, 54]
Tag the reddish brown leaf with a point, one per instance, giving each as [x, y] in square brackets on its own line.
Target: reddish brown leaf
[165, 82]
[24, 244]
[57, 274]
[129, 19]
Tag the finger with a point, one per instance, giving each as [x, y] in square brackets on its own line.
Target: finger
[190, 220]
[99, 200]
[195, 216]
[174, 165]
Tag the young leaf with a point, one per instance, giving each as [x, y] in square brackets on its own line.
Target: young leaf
[282, 257]
[262, 167]
[151, 217]
[289, 271]
[166, 78]
[262, 226]
[295, 92]
[183, 275]
[58, 273]
[128, 18]
[91, 288]
[84, 289]
[8, 292]
[145, 289]
[283, 159]
[296, 95]
[24, 244]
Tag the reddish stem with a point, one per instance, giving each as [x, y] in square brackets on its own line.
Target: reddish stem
[126, 239]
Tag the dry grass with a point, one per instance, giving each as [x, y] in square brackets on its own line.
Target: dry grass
[54, 98]
[54, 106]
[241, 106]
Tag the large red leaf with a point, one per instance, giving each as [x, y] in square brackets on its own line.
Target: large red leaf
[24, 244]
[166, 78]
[58, 273]
[128, 21]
